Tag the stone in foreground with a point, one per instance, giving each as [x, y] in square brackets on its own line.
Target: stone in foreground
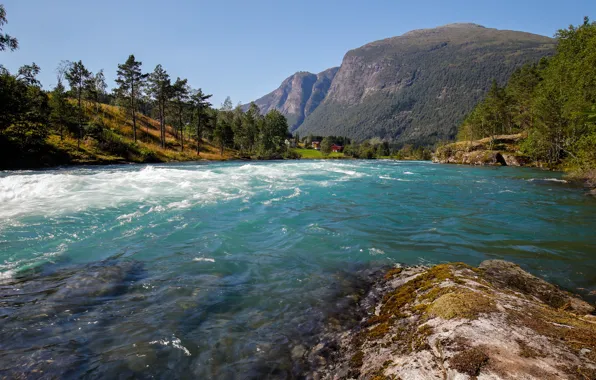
[453, 321]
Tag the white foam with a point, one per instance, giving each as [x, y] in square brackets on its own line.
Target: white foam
[175, 342]
[295, 194]
[548, 180]
[207, 259]
[6, 276]
[162, 188]
[375, 251]
[395, 179]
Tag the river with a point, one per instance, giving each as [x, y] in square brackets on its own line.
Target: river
[229, 270]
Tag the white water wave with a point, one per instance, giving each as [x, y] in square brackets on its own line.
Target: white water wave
[159, 189]
[548, 180]
[295, 194]
[6, 276]
[394, 179]
[175, 342]
[204, 259]
[375, 251]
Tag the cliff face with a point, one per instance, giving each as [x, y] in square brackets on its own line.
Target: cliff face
[415, 88]
[453, 321]
[298, 96]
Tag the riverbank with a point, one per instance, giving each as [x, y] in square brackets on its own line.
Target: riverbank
[503, 150]
[453, 321]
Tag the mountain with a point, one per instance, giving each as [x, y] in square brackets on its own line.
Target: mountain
[298, 96]
[415, 88]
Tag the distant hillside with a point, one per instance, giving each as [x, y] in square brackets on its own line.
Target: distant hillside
[298, 96]
[418, 87]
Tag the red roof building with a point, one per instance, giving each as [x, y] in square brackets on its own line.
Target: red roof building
[336, 148]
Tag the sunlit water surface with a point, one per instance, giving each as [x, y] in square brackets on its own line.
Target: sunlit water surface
[229, 270]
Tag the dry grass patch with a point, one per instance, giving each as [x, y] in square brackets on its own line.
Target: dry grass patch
[469, 362]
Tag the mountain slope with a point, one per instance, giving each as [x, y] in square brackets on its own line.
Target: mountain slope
[298, 96]
[418, 87]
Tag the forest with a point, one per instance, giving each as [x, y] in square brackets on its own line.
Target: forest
[553, 103]
[36, 126]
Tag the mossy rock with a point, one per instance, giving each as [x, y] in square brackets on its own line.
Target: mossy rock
[462, 304]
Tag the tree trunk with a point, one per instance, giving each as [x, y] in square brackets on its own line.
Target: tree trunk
[80, 122]
[134, 114]
[161, 124]
[199, 133]
[180, 127]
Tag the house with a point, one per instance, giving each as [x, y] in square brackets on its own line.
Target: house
[316, 145]
[336, 148]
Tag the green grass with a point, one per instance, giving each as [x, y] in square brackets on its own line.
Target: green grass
[316, 154]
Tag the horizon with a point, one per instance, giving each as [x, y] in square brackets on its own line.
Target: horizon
[245, 71]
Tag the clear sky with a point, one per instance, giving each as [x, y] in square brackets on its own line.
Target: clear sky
[244, 49]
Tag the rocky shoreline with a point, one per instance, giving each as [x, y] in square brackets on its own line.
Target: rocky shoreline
[500, 150]
[454, 321]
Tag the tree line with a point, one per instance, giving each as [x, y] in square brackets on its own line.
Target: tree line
[28, 114]
[367, 149]
[552, 102]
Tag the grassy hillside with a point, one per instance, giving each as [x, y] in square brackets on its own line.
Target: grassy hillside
[110, 140]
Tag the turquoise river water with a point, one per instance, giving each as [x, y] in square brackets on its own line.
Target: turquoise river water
[229, 270]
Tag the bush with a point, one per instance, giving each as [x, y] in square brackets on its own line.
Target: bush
[148, 156]
[291, 154]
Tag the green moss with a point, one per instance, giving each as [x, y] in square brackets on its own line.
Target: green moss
[376, 320]
[461, 304]
[379, 331]
[574, 332]
[435, 293]
[357, 360]
[420, 338]
[392, 273]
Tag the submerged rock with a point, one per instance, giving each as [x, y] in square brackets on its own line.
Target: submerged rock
[453, 321]
[51, 320]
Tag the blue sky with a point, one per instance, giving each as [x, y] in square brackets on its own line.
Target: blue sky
[244, 49]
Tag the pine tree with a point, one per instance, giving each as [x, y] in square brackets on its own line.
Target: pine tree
[200, 104]
[180, 94]
[161, 90]
[61, 110]
[79, 79]
[6, 41]
[130, 82]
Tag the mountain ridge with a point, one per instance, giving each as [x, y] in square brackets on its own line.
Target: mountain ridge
[297, 96]
[413, 88]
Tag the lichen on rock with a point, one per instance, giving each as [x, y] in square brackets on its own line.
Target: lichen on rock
[454, 321]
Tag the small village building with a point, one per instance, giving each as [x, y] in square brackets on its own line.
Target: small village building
[316, 145]
[336, 148]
